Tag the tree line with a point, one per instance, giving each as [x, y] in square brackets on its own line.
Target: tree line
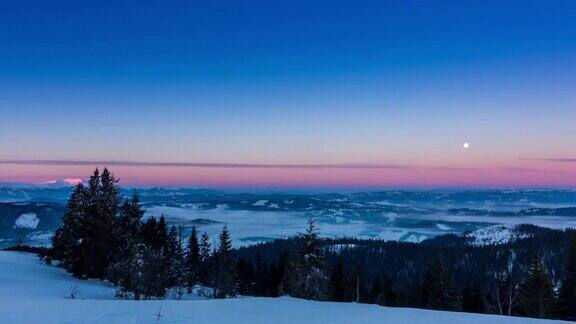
[533, 277]
[105, 237]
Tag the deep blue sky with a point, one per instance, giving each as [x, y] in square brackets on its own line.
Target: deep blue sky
[163, 41]
[403, 82]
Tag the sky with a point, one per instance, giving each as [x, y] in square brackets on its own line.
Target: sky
[290, 94]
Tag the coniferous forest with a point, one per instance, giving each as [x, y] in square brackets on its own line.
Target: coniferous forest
[105, 236]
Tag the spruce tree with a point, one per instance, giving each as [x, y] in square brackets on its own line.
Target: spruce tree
[205, 260]
[438, 290]
[535, 295]
[124, 270]
[130, 218]
[67, 240]
[127, 227]
[567, 293]
[161, 235]
[192, 260]
[174, 258]
[148, 232]
[308, 275]
[224, 283]
[101, 245]
[153, 279]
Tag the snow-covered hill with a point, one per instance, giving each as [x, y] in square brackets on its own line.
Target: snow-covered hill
[31, 292]
[496, 234]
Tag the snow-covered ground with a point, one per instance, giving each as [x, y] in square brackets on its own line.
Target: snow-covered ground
[32, 292]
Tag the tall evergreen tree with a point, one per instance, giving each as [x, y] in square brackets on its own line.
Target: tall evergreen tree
[174, 258]
[205, 260]
[224, 283]
[124, 271]
[308, 277]
[148, 232]
[161, 236]
[152, 277]
[192, 259]
[67, 240]
[567, 293]
[130, 218]
[100, 240]
[438, 290]
[535, 295]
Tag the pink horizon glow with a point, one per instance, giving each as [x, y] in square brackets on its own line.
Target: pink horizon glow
[539, 175]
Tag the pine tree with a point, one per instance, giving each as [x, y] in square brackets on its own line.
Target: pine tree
[67, 240]
[100, 243]
[308, 277]
[127, 227]
[126, 273]
[123, 271]
[224, 283]
[148, 232]
[130, 219]
[438, 290]
[174, 258]
[535, 295]
[152, 276]
[192, 260]
[161, 235]
[205, 260]
[567, 293]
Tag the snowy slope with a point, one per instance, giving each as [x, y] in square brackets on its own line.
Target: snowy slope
[31, 292]
[496, 234]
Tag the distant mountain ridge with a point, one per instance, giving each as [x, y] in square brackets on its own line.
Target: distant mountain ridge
[402, 215]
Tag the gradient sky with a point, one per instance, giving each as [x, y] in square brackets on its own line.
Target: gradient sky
[290, 94]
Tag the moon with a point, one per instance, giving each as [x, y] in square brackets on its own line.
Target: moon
[466, 145]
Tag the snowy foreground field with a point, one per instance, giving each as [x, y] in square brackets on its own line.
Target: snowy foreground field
[32, 292]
